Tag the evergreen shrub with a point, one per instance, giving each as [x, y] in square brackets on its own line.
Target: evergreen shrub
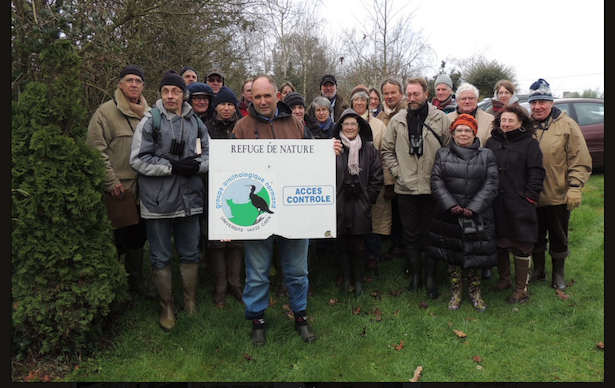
[66, 277]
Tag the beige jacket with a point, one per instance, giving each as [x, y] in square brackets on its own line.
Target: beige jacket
[387, 114]
[111, 130]
[413, 174]
[565, 157]
[382, 217]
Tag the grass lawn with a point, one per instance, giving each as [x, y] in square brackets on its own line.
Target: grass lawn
[552, 338]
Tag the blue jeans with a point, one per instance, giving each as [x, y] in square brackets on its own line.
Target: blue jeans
[186, 233]
[259, 255]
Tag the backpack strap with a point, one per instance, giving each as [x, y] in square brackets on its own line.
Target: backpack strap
[156, 117]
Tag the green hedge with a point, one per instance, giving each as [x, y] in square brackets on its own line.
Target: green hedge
[66, 277]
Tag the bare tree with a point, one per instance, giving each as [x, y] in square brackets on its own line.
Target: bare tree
[385, 45]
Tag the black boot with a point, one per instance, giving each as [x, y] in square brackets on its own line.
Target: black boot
[414, 265]
[258, 336]
[538, 274]
[133, 262]
[431, 277]
[358, 272]
[303, 327]
[343, 263]
[558, 282]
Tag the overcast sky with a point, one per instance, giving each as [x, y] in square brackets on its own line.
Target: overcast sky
[560, 41]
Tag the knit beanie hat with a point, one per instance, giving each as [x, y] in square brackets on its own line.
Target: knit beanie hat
[540, 90]
[185, 69]
[172, 78]
[443, 79]
[294, 98]
[133, 69]
[465, 119]
[225, 95]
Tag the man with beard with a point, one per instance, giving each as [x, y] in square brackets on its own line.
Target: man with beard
[408, 149]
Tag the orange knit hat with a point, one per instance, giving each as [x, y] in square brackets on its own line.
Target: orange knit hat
[465, 119]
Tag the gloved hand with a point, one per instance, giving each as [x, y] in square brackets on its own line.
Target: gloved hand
[186, 167]
[467, 213]
[573, 198]
[456, 210]
[389, 192]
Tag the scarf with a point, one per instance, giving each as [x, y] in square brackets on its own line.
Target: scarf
[441, 104]
[354, 146]
[415, 120]
[388, 111]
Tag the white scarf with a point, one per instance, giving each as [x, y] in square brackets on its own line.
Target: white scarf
[354, 146]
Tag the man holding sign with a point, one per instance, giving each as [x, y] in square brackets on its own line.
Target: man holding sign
[268, 118]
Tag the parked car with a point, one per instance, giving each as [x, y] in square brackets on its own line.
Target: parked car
[486, 102]
[589, 114]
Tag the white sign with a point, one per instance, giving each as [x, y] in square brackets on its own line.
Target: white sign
[262, 187]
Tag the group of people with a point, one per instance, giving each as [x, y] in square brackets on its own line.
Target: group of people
[444, 180]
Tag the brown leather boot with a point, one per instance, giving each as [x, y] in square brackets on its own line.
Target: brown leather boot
[217, 260]
[190, 279]
[234, 259]
[522, 276]
[133, 262]
[162, 279]
[505, 281]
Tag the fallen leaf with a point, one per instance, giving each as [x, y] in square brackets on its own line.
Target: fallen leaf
[423, 305]
[30, 376]
[357, 311]
[432, 314]
[378, 314]
[76, 367]
[272, 302]
[248, 357]
[46, 379]
[460, 333]
[400, 346]
[600, 345]
[417, 374]
[332, 301]
[290, 315]
[477, 358]
[470, 319]
[515, 309]
[479, 367]
[375, 294]
[367, 280]
[450, 324]
[286, 306]
[570, 283]
[562, 295]
[396, 311]
[396, 293]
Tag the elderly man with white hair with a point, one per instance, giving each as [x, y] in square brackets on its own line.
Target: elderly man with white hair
[467, 102]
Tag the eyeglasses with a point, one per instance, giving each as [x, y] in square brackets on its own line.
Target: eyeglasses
[350, 125]
[467, 98]
[175, 92]
[199, 98]
[214, 79]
